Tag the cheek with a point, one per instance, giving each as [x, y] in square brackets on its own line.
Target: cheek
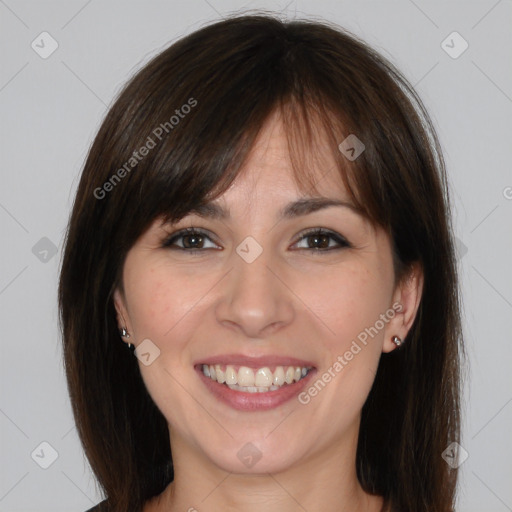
[348, 301]
[161, 309]
[150, 306]
[159, 299]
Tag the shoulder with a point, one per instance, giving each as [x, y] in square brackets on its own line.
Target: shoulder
[100, 507]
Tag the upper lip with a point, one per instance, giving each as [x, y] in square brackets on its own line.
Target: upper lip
[254, 362]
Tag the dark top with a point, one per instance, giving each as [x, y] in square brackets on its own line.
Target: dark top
[100, 507]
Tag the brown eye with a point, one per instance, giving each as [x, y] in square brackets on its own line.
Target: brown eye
[195, 241]
[318, 241]
[189, 240]
[322, 240]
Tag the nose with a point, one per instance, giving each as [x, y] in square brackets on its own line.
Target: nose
[255, 299]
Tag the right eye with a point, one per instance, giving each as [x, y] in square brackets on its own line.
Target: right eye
[190, 240]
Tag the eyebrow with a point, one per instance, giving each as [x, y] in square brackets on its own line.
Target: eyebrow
[303, 206]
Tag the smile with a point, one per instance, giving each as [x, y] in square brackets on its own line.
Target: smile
[254, 383]
[249, 380]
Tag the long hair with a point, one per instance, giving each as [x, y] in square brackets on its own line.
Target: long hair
[197, 109]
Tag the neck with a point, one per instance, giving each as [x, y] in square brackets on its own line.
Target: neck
[325, 481]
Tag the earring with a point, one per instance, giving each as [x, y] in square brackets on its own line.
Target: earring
[396, 340]
[124, 334]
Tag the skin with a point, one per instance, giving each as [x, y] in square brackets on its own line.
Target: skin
[290, 301]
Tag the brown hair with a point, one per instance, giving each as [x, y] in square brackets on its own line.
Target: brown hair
[232, 75]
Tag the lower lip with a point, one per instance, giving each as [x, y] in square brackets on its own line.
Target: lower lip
[244, 401]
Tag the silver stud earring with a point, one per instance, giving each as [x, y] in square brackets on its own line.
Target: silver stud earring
[124, 333]
[396, 340]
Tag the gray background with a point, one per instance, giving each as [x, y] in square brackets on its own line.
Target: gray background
[50, 110]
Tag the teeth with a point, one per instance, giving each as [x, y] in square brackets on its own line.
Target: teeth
[263, 378]
[221, 376]
[252, 389]
[231, 377]
[245, 377]
[259, 381]
[279, 376]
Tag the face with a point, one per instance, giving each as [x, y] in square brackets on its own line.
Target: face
[293, 306]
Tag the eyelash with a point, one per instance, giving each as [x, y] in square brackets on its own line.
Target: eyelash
[343, 243]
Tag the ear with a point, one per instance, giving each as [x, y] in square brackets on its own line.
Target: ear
[122, 313]
[405, 303]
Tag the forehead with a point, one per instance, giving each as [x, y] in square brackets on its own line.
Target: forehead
[270, 169]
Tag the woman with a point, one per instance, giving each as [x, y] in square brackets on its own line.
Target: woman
[263, 219]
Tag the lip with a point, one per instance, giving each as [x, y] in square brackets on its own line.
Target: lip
[243, 401]
[254, 361]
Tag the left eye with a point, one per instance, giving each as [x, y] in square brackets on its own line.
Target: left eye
[323, 240]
